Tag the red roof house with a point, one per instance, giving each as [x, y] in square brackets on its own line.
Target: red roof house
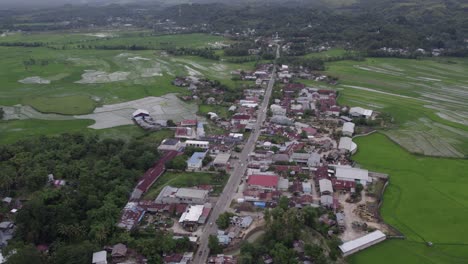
[263, 182]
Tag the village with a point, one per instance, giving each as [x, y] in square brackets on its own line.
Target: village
[302, 153]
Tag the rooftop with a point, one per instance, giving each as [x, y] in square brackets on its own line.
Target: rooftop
[362, 241]
[263, 180]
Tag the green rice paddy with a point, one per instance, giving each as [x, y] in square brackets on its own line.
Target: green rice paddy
[426, 97]
[426, 200]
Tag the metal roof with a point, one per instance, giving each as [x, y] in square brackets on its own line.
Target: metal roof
[348, 127]
[352, 173]
[359, 242]
[325, 185]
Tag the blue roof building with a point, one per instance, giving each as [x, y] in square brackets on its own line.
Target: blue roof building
[195, 162]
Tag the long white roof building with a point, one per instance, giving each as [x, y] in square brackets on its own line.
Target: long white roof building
[361, 243]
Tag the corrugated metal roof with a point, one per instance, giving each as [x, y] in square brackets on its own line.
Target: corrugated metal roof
[356, 243]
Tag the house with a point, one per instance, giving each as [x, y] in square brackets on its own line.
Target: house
[307, 187]
[171, 195]
[221, 160]
[309, 159]
[188, 123]
[326, 187]
[242, 119]
[326, 200]
[277, 110]
[360, 112]
[309, 131]
[195, 163]
[170, 144]
[283, 184]
[197, 144]
[131, 216]
[352, 174]
[282, 120]
[361, 243]
[280, 158]
[348, 129]
[263, 182]
[222, 259]
[186, 133]
[100, 257]
[224, 240]
[119, 251]
[347, 144]
[192, 215]
[340, 219]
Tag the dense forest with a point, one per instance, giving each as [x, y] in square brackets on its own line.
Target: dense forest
[77, 218]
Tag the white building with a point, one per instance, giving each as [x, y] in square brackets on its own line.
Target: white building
[352, 174]
[195, 163]
[325, 186]
[197, 144]
[361, 243]
[171, 195]
[221, 160]
[348, 129]
[347, 144]
[192, 214]
[100, 257]
[360, 112]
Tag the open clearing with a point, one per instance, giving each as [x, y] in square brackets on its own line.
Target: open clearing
[164, 107]
[426, 200]
[428, 99]
[67, 105]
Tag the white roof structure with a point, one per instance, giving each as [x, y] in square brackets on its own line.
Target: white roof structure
[326, 200]
[347, 144]
[283, 183]
[191, 193]
[359, 111]
[325, 186]
[222, 159]
[100, 257]
[348, 127]
[192, 214]
[140, 111]
[349, 174]
[362, 242]
[197, 142]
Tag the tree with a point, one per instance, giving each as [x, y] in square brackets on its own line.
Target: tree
[284, 203]
[213, 244]
[207, 160]
[26, 255]
[178, 163]
[224, 220]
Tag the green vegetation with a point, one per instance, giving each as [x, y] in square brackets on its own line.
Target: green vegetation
[187, 179]
[68, 105]
[221, 111]
[84, 212]
[426, 200]
[283, 228]
[423, 97]
[224, 220]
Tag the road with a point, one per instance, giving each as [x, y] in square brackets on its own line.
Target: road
[234, 181]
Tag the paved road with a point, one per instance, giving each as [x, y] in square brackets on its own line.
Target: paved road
[230, 189]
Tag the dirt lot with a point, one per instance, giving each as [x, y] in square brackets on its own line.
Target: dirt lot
[164, 107]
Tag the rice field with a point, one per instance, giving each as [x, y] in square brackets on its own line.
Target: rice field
[426, 97]
[45, 82]
[426, 200]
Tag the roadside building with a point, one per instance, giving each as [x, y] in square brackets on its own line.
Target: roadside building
[192, 215]
[189, 123]
[362, 243]
[171, 195]
[221, 160]
[195, 163]
[348, 129]
[263, 182]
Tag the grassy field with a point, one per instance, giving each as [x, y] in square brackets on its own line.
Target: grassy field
[68, 105]
[426, 200]
[427, 98]
[221, 111]
[336, 52]
[185, 179]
